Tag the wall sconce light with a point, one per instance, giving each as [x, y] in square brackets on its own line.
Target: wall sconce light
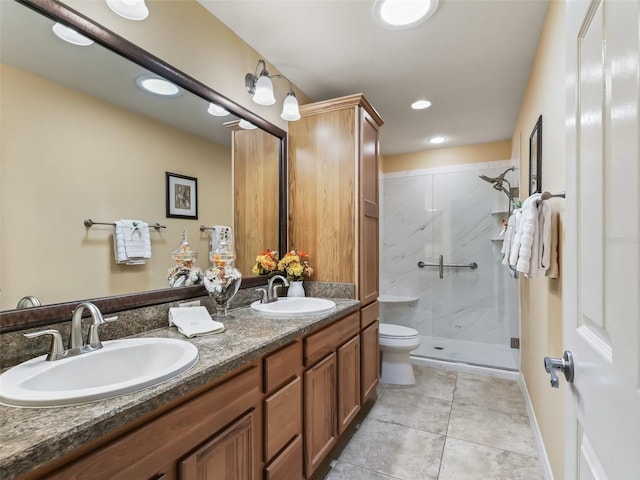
[260, 88]
[129, 9]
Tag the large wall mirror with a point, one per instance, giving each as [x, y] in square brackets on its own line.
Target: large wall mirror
[82, 141]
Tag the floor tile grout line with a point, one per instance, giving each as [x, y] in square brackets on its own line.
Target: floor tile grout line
[446, 434]
[371, 470]
[494, 448]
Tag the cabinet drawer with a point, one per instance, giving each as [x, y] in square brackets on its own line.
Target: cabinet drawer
[282, 366]
[138, 453]
[325, 341]
[369, 314]
[282, 417]
[287, 465]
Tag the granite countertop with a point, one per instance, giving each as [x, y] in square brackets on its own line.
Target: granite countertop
[31, 437]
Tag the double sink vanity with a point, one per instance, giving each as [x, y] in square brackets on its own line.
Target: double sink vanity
[267, 398]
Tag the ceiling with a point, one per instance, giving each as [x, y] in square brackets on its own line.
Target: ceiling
[471, 60]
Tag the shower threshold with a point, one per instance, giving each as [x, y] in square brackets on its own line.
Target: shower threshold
[467, 352]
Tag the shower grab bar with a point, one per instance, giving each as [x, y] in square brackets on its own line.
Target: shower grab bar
[441, 265]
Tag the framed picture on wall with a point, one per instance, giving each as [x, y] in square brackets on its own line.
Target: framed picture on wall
[182, 196]
[535, 158]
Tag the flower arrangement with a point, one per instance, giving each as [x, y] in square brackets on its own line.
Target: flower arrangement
[266, 263]
[295, 265]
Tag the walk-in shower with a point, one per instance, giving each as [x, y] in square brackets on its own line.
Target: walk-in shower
[448, 220]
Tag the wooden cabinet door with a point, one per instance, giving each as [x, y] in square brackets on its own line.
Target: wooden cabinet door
[287, 465]
[348, 382]
[368, 284]
[282, 417]
[228, 455]
[320, 416]
[370, 365]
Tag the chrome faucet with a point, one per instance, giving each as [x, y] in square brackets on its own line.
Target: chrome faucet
[271, 293]
[75, 339]
[76, 345]
[28, 301]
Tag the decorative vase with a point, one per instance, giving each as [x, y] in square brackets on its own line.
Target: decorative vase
[222, 296]
[295, 289]
[222, 280]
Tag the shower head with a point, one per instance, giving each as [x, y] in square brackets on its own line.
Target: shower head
[488, 179]
[499, 178]
[498, 183]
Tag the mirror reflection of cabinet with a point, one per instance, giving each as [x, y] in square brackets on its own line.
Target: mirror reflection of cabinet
[255, 158]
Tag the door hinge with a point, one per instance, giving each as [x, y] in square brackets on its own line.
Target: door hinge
[515, 343]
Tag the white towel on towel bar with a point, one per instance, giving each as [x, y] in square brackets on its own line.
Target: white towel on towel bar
[131, 242]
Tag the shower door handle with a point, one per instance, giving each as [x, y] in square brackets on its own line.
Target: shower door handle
[441, 266]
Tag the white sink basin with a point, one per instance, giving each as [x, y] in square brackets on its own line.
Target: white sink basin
[294, 306]
[121, 366]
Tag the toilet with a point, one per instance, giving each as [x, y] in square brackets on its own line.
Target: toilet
[396, 343]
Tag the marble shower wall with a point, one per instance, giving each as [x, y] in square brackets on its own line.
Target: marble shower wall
[447, 211]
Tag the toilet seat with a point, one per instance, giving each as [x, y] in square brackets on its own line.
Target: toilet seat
[389, 330]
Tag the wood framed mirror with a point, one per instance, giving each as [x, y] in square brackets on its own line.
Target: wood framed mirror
[59, 308]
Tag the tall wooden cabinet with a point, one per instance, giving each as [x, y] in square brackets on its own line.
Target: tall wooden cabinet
[333, 191]
[334, 210]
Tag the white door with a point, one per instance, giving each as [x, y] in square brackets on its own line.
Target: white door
[601, 254]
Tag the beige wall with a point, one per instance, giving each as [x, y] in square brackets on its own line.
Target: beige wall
[66, 157]
[184, 34]
[485, 152]
[541, 298]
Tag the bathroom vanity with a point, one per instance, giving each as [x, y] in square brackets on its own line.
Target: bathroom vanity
[268, 398]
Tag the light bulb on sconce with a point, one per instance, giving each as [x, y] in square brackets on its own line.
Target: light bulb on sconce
[245, 125]
[260, 87]
[129, 9]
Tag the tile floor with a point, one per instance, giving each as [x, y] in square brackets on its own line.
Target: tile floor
[448, 426]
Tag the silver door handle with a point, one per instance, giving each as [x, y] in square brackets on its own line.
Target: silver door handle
[564, 364]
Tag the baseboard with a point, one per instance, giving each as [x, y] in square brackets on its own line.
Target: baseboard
[466, 368]
[542, 453]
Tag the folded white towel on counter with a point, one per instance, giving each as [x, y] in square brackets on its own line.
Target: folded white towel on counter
[193, 321]
[131, 242]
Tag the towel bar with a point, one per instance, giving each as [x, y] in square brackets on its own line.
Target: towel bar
[90, 223]
[547, 195]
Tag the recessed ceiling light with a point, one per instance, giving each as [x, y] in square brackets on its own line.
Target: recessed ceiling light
[437, 140]
[421, 104]
[129, 9]
[400, 14]
[157, 85]
[217, 110]
[70, 35]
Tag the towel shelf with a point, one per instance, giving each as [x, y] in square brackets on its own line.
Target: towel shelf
[441, 265]
[90, 223]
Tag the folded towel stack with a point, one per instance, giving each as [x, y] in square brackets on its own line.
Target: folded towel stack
[193, 321]
[531, 243]
[131, 242]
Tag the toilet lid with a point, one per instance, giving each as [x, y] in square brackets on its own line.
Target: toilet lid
[396, 331]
